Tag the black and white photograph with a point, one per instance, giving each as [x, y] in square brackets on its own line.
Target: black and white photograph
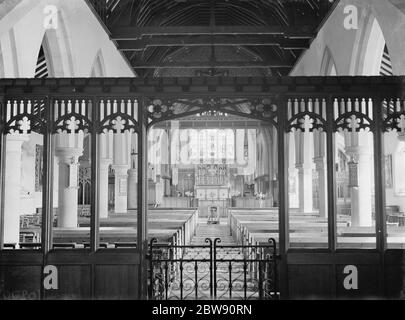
[219, 152]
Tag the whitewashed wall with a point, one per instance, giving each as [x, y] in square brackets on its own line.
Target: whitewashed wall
[74, 46]
[348, 47]
[358, 52]
[78, 47]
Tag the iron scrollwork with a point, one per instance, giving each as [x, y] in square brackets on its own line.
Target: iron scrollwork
[213, 271]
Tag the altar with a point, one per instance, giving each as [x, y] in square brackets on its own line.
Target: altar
[212, 190]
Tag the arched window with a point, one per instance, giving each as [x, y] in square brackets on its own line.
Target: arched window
[212, 145]
[328, 67]
[41, 70]
[386, 66]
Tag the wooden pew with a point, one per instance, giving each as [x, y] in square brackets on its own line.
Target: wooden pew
[305, 230]
[174, 226]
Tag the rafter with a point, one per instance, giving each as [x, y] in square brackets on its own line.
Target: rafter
[140, 45]
[133, 33]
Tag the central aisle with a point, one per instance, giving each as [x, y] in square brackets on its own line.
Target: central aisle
[231, 281]
[213, 231]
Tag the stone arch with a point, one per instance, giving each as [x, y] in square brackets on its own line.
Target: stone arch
[98, 68]
[368, 55]
[57, 49]
[328, 66]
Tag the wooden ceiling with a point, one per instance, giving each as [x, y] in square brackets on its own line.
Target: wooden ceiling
[155, 35]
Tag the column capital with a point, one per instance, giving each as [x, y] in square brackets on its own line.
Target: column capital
[15, 141]
[401, 136]
[120, 169]
[105, 162]
[359, 150]
[133, 173]
[20, 137]
[68, 155]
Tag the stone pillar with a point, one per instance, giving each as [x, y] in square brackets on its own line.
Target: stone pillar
[303, 159]
[159, 190]
[106, 154]
[305, 200]
[68, 186]
[361, 199]
[121, 186]
[12, 188]
[121, 166]
[320, 164]
[132, 188]
[68, 149]
[151, 192]
[103, 187]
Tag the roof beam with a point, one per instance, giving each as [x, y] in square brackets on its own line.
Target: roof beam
[133, 33]
[216, 65]
[164, 41]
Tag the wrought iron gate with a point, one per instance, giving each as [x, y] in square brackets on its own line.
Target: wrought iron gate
[213, 271]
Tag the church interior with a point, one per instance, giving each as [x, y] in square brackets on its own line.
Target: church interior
[126, 124]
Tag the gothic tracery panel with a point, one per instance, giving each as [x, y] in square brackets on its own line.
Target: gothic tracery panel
[393, 115]
[262, 108]
[118, 115]
[306, 114]
[72, 115]
[25, 115]
[353, 114]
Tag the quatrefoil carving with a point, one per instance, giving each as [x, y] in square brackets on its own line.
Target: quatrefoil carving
[306, 123]
[119, 124]
[353, 123]
[24, 125]
[263, 108]
[159, 108]
[72, 124]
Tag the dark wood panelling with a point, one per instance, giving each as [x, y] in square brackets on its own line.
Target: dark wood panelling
[394, 274]
[318, 257]
[394, 280]
[73, 284]
[20, 282]
[116, 282]
[23, 257]
[368, 279]
[310, 281]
